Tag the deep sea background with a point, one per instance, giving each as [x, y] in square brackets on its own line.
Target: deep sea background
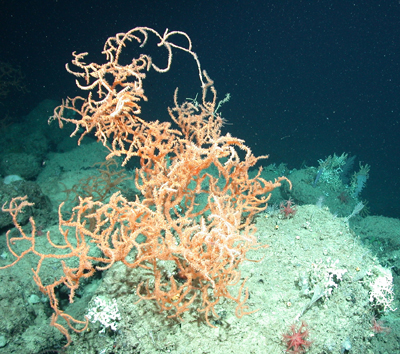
[307, 78]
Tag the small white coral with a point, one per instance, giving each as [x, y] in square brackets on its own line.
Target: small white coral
[332, 277]
[327, 275]
[382, 289]
[104, 311]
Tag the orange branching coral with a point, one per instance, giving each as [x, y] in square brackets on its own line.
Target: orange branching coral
[71, 275]
[112, 108]
[198, 201]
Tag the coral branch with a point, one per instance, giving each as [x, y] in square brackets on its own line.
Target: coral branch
[197, 204]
